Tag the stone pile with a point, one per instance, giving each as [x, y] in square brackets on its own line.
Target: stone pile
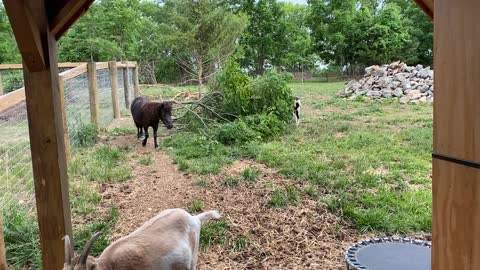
[406, 83]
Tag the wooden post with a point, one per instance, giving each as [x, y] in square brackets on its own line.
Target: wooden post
[114, 84]
[136, 85]
[456, 183]
[61, 89]
[1, 85]
[3, 259]
[126, 86]
[45, 121]
[93, 93]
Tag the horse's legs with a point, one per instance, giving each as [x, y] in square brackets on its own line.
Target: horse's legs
[146, 136]
[155, 128]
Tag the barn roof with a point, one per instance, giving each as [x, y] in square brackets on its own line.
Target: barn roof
[426, 6]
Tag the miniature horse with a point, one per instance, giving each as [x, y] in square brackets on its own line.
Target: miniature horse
[148, 113]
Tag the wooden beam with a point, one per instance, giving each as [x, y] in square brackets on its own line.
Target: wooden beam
[74, 72]
[126, 86]
[20, 66]
[26, 33]
[11, 99]
[114, 87]
[427, 6]
[1, 85]
[66, 135]
[68, 15]
[3, 259]
[46, 128]
[456, 188]
[93, 94]
[101, 65]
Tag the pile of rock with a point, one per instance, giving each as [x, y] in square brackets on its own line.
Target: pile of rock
[397, 80]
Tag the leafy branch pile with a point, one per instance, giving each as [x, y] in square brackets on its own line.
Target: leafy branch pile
[238, 109]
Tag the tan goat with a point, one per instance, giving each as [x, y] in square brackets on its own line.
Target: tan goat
[169, 241]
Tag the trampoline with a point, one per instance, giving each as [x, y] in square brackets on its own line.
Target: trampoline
[389, 253]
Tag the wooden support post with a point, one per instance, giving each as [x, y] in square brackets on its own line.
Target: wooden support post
[114, 85]
[126, 86]
[3, 259]
[1, 85]
[61, 89]
[456, 187]
[45, 124]
[93, 93]
[136, 85]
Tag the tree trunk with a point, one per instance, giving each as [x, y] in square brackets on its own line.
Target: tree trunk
[200, 75]
[259, 69]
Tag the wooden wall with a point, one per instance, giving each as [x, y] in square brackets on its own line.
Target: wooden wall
[456, 187]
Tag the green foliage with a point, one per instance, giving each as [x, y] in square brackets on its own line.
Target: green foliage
[11, 81]
[354, 33]
[21, 234]
[83, 135]
[237, 132]
[102, 164]
[250, 174]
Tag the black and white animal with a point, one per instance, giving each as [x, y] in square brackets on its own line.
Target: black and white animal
[296, 111]
[147, 114]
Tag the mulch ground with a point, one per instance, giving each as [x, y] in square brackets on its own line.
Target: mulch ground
[306, 236]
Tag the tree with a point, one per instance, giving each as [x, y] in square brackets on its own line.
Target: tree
[202, 33]
[264, 41]
[108, 31]
[354, 34]
[8, 47]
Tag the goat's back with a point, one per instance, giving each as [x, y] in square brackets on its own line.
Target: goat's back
[163, 241]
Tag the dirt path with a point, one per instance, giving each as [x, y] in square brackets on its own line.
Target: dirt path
[306, 236]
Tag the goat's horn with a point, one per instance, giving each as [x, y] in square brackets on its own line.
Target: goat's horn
[68, 251]
[88, 248]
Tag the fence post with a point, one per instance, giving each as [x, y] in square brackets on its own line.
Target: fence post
[66, 135]
[136, 86]
[1, 85]
[126, 85]
[112, 65]
[3, 259]
[93, 93]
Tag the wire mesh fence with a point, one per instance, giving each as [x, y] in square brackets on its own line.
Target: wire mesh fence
[16, 175]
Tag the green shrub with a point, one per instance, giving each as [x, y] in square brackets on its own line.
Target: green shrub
[267, 126]
[12, 81]
[84, 135]
[236, 132]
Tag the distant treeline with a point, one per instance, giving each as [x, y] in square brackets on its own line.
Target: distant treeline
[188, 41]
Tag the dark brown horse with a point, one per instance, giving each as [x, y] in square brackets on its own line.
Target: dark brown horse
[147, 114]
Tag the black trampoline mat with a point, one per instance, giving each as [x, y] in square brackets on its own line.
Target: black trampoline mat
[394, 256]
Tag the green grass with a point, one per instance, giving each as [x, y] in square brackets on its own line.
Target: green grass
[20, 225]
[202, 183]
[196, 206]
[231, 181]
[369, 161]
[250, 174]
[145, 161]
[213, 233]
[198, 154]
[101, 164]
[166, 91]
[281, 199]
